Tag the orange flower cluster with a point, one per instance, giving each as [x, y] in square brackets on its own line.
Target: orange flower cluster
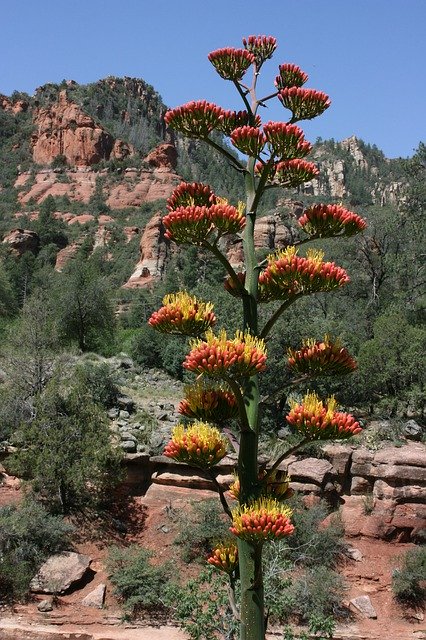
[319, 358]
[220, 356]
[318, 421]
[231, 64]
[199, 444]
[288, 274]
[183, 314]
[291, 173]
[287, 140]
[248, 140]
[304, 104]
[187, 194]
[209, 403]
[195, 119]
[231, 120]
[261, 46]
[329, 220]
[194, 224]
[224, 557]
[290, 76]
[264, 519]
[277, 485]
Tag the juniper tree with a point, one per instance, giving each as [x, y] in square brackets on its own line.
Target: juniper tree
[270, 155]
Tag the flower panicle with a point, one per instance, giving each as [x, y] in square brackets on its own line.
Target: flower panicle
[287, 275]
[290, 75]
[289, 173]
[220, 356]
[231, 120]
[183, 314]
[320, 421]
[304, 104]
[248, 140]
[195, 224]
[230, 63]
[262, 47]
[321, 357]
[189, 194]
[199, 444]
[330, 220]
[195, 119]
[287, 141]
[211, 403]
[224, 557]
[262, 520]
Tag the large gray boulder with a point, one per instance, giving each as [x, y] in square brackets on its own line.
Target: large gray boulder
[59, 572]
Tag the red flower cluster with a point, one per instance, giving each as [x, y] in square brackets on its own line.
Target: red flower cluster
[248, 140]
[287, 140]
[261, 46]
[288, 274]
[264, 519]
[290, 76]
[305, 104]
[196, 119]
[231, 64]
[224, 557]
[319, 358]
[231, 120]
[183, 314]
[329, 220]
[194, 224]
[209, 403]
[187, 194]
[292, 173]
[220, 356]
[318, 421]
[200, 445]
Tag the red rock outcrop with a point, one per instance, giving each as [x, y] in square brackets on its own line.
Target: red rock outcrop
[165, 155]
[154, 251]
[143, 186]
[22, 240]
[13, 107]
[64, 129]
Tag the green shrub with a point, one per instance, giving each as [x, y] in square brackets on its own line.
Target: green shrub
[139, 584]
[202, 608]
[408, 582]
[28, 534]
[201, 529]
[99, 381]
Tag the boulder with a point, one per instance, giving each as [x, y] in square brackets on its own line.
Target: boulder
[363, 605]
[95, 598]
[22, 240]
[59, 572]
[311, 470]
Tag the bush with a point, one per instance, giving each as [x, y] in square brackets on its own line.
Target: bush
[408, 582]
[28, 534]
[139, 584]
[99, 381]
[201, 530]
[67, 452]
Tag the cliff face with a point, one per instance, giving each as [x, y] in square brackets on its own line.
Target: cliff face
[121, 121]
[63, 129]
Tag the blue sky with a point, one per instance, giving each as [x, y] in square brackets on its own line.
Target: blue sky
[368, 55]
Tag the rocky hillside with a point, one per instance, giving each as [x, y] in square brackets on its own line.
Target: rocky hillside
[104, 155]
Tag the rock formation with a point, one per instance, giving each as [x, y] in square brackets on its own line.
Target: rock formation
[63, 129]
[22, 240]
[154, 250]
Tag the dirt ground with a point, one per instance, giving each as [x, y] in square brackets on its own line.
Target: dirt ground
[151, 520]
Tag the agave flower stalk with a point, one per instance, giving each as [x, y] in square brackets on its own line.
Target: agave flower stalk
[275, 157]
[200, 445]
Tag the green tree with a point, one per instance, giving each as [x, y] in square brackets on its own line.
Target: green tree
[84, 306]
[67, 452]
